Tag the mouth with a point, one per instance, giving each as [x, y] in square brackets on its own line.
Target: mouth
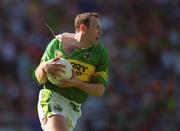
[97, 38]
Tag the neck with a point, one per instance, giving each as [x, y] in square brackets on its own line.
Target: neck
[81, 40]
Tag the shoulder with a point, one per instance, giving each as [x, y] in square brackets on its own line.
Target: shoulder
[100, 53]
[101, 49]
[53, 43]
[65, 37]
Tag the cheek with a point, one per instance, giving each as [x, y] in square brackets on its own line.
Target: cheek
[95, 32]
[93, 35]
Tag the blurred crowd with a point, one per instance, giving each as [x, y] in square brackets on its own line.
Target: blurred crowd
[143, 39]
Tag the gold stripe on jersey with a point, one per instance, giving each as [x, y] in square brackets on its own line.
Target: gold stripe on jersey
[102, 74]
[83, 70]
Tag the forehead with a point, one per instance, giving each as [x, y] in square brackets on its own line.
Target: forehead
[95, 22]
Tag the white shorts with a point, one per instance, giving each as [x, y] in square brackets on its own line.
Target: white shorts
[51, 103]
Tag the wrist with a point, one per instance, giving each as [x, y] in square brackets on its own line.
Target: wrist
[43, 66]
[79, 84]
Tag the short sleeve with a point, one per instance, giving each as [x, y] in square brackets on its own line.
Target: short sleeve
[50, 50]
[48, 54]
[102, 68]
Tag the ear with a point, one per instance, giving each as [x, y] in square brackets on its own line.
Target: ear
[83, 27]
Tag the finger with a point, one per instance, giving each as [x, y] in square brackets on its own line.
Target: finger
[58, 70]
[54, 76]
[62, 85]
[56, 59]
[60, 65]
[56, 67]
[63, 82]
[73, 74]
[53, 64]
[51, 73]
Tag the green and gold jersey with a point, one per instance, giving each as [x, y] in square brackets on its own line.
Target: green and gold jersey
[90, 64]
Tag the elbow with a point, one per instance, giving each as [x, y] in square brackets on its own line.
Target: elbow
[100, 92]
[40, 81]
[40, 78]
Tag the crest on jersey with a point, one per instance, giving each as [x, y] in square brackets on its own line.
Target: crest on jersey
[58, 108]
[88, 55]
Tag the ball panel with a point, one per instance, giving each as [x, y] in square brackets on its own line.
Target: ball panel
[64, 75]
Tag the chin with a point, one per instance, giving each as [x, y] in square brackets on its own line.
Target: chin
[96, 40]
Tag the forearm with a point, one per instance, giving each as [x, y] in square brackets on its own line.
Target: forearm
[41, 74]
[91, 88]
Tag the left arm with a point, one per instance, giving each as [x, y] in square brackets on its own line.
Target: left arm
[91, 88]
[95, 89]
[99, 80]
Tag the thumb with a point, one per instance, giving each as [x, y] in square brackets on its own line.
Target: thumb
[56, 59]
[74, 74]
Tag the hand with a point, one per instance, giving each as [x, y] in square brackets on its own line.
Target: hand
[52, 68]
[73, 82]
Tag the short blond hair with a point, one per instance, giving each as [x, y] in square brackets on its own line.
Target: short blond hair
[84, 18]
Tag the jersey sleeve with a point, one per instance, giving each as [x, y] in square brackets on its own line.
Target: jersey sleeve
[102, 68]
[50, 50]
[48, 54]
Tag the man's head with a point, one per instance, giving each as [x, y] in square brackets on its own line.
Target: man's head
[89, 24]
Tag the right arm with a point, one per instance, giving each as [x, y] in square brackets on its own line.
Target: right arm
[40, 73]
[46, 64]
[48, 67]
